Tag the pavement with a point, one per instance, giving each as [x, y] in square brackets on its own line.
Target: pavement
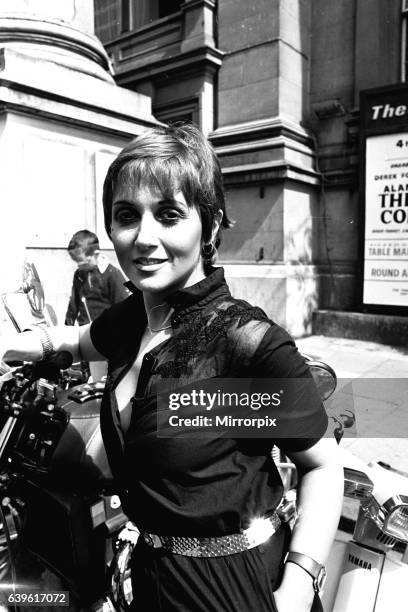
[373, 381]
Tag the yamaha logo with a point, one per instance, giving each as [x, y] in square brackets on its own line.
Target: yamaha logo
[359, 562]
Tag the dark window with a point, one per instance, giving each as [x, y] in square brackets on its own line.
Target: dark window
[125, 13]
[137, 13]
[107, 19]
[171, 119]
[404, 38]
[168, 7]
[184, 110]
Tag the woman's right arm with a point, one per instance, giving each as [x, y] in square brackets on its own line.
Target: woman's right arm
[27, 346]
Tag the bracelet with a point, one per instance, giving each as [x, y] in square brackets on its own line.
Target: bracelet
[312, 567]
[45, 339]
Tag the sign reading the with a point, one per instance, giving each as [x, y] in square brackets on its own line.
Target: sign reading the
[385, 280]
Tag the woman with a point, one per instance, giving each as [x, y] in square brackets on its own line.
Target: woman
[195, 499]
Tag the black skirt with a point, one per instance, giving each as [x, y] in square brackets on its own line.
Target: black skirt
[242, 582]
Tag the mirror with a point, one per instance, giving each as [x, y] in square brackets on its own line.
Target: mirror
[32, 286]
[26, 305]
[324, 377]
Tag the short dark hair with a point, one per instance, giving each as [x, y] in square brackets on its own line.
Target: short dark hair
[83, 241]
[175, 158]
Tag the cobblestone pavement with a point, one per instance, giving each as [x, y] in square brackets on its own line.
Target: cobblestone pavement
[379, 394]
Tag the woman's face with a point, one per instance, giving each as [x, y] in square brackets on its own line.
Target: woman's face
[157, 240]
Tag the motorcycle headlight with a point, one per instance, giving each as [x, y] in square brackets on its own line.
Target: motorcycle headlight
[396, 517]
[391, 517]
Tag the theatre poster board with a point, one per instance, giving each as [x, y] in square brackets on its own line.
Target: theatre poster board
[384, 191]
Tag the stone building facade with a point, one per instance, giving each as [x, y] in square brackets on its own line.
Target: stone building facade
[275, 84]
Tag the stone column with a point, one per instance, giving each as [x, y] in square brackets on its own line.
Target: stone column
[268, 156]
[62, 32]
[62, 121]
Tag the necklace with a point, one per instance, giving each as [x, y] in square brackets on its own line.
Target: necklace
[151, 329]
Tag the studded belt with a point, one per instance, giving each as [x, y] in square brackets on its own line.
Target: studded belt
[257, 533]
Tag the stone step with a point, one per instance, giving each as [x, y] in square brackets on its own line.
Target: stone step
[385, 329]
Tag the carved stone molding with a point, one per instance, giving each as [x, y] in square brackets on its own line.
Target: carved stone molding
[266, 150]
[55, 41]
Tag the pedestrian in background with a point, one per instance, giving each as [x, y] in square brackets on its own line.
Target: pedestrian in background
[96, 284]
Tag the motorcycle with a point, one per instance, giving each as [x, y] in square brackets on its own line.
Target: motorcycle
[59, 512]
[368, 571]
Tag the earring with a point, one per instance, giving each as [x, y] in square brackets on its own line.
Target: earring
[208, 251]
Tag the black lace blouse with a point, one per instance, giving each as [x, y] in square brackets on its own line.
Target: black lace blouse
[184, 485]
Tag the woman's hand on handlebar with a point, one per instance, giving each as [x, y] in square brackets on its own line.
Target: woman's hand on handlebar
[27, 346]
